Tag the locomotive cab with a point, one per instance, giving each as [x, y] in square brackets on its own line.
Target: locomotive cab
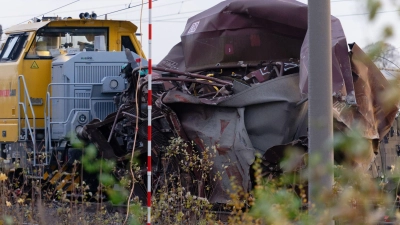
[34, 57]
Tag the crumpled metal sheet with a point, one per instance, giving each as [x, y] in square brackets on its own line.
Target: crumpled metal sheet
[236, 125]
[267, 116]
[253, 31]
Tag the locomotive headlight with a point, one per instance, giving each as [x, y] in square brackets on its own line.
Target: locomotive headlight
[113, 84]
[82, 118]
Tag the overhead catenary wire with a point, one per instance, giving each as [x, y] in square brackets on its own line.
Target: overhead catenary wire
[367, 13]
[389, 61]
[185, 17]
[48, 12]
[170, 15]
[158, 6]
[112, 12]
[60, 12]
[129, 7]
[92, 8]
[332, 1]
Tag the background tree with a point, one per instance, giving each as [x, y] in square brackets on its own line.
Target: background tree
[384, 55]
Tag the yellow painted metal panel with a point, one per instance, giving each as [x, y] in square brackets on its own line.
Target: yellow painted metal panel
[37, 72]
[25, 27]
[8, 90]
[10, 127]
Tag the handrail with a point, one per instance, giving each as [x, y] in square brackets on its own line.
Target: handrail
[70, 115]
[47, 107]
[46, 128]
[23, 104]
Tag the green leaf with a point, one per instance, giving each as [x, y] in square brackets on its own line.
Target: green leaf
[90, 166]
[107, 179]
[108, 165]
[117, 197]
[91, 152]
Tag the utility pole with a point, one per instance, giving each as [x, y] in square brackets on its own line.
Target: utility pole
[320, 117]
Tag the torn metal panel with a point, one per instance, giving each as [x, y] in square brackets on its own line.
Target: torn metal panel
[175, 60]
[375, 115]
[372, 113]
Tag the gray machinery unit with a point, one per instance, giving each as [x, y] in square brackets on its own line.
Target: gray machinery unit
[82, 88]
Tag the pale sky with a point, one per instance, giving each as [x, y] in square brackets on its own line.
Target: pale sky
[169, 17]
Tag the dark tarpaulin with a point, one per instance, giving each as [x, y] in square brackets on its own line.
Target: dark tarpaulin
[254, 31]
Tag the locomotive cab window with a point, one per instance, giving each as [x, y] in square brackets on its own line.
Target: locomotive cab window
[50, 42]
[13, 47]
[127, 43]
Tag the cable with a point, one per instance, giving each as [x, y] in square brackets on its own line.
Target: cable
[388, 61]
[137, 102]
[181, 6]
[32, 15]
[159, 6]
[129, 7]
[360, 14]
[343, 0]
[173, 14]
[61, 11]
[47, 12]
[171, 21]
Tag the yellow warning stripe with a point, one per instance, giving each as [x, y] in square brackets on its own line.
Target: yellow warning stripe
[76, 181]
[57, 176]
[63, 182]
[63, 178]
[45, 175]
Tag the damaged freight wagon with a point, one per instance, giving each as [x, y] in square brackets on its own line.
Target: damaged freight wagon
[238, 81]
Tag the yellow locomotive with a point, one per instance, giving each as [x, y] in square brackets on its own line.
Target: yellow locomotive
[55, 76]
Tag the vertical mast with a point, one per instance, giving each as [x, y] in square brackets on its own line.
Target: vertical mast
[149, 105]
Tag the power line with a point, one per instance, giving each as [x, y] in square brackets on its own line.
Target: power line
[389, 61]
[108, 6]
[173, 14]
[129, 7]
[360, 14]
[343, 0]
[158, 6]
[61, 11]
[48, 12]
[170, 21]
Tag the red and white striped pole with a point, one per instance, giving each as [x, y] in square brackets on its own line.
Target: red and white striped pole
[149, 105]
